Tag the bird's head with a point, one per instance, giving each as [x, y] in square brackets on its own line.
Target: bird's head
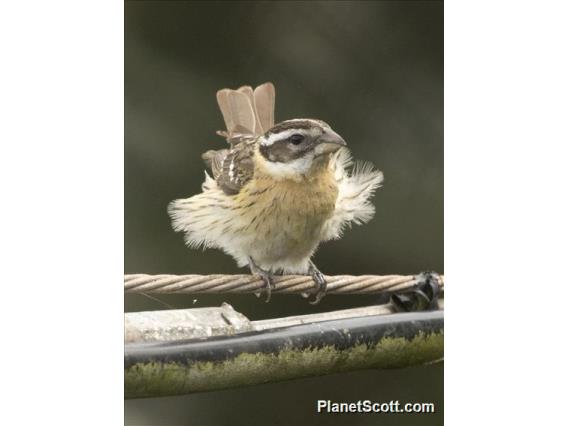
[295, 148]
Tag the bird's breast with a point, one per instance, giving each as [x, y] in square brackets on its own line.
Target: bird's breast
[286, 217]
[290, 202]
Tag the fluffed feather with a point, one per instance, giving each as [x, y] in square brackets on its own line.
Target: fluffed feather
[356, 183]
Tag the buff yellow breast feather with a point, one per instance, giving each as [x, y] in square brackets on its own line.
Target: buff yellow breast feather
[297, 208]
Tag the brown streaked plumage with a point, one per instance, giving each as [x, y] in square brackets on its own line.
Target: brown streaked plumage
[277, 192]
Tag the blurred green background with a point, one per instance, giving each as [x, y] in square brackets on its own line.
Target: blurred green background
[374, 71]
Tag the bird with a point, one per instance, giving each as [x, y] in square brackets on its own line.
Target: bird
[276, 192]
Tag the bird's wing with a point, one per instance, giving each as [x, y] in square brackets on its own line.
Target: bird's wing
[356, 185]
[246, 112]
[214, 160]
[232, 168]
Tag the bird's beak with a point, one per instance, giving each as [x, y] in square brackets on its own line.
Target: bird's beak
[329, 142]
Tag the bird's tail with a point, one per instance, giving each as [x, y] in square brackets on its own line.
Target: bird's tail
[246, 112]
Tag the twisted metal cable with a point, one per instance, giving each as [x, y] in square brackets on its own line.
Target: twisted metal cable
[217, 283]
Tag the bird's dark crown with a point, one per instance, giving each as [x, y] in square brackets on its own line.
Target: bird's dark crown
[299, 124]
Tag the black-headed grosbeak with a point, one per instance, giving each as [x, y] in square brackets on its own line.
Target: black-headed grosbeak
[277, 192]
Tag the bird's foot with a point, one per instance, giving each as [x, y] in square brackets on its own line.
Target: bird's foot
[320, 284]
[266, 277]
[423, 297]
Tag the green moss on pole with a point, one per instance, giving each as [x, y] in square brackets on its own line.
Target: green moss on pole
[159, 378]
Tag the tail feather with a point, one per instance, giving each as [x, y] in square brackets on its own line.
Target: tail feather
[246, 112]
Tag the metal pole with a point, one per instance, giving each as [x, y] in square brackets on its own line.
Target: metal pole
[317, 348]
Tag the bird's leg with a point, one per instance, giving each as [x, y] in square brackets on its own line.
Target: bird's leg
[266, 277]
[320, 283]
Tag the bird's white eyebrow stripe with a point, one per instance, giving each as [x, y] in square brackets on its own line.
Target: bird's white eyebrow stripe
[280, 136]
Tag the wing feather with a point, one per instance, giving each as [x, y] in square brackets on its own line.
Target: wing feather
[233, 168]
[247, 114]
[214, 160]
[357, 185]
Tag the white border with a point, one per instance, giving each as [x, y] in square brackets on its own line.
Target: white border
[61, 97]
[61, 174]
[506, 92]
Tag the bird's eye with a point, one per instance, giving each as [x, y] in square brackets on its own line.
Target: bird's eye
[296, 138]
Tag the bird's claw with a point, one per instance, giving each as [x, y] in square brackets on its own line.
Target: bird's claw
[320, 285]
[266, 277]
[268, 286]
